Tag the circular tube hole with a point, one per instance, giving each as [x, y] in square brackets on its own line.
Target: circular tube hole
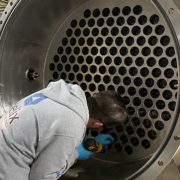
[152, 134]
[96, 12]
[136, 30]
[142, 20]
[131, 20]
[159, 125]
[145, 144]
[138, 81]
[126, 10]
[137, 9]
[100, 22]
[135, 121]
[116, 11]
[154, 19]
[120, 21]
[166, 116]
[128, 150]
[130, 110]
[134, 141]
[143, 92]
[140, 132]
[147, 30]
[109, 41]
[87, 13]
[147, 123]
[106, 12]
[141, 40]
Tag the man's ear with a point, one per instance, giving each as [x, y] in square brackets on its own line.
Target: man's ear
[94, 124]
[98, 124]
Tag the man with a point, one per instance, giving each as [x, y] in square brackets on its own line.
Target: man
[41, 136]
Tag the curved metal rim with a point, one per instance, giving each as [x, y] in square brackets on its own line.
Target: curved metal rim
[7, 13]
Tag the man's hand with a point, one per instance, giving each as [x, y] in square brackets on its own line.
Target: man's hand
[104, 139]
[83, 154]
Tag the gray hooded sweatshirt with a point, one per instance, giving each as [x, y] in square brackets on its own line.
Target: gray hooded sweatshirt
[40, 134]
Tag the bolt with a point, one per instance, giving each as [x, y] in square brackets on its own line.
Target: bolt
[30, 74]
[160, 163]
[176, 138]
[171, 10]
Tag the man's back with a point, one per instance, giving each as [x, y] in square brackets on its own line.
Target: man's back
[43, 133]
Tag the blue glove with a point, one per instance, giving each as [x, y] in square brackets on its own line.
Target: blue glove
[83, 154]
[104, 139]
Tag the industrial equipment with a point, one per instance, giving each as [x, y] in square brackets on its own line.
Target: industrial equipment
[130, 46]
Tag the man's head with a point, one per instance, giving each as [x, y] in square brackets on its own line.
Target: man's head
[106, 109]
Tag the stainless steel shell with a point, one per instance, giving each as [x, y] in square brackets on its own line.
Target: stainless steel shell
[129, 46]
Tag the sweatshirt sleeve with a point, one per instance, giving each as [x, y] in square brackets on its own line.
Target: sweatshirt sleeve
[55, 158]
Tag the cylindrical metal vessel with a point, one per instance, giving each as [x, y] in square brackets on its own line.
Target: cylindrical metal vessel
[130, 46]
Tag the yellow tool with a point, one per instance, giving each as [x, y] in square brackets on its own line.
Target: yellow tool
[92, 145]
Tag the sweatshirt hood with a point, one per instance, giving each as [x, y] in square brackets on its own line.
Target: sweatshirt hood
[69, 95]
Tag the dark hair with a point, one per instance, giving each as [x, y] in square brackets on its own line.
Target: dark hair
[108, 107]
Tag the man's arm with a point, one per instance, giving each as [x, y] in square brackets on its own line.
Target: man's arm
[53, 159]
